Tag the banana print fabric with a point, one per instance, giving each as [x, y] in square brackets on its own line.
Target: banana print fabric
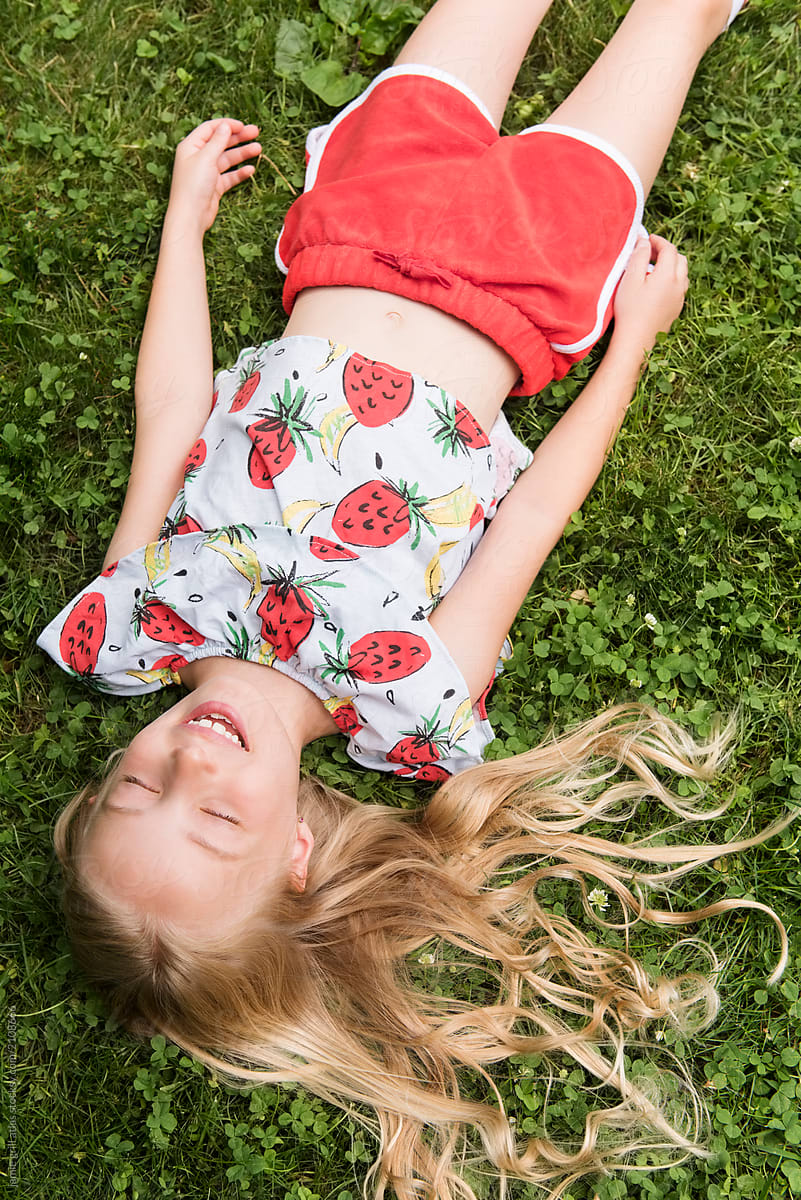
[328, 505]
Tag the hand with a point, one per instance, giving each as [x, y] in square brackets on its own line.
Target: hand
[648, 303]
[203, 170]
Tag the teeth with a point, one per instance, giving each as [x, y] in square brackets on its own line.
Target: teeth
[215, 721]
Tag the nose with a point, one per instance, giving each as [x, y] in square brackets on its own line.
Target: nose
[187, 777]
[190, 759]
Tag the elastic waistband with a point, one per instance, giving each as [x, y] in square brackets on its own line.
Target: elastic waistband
[328, 265]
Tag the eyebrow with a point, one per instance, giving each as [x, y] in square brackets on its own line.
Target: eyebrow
[190, 837]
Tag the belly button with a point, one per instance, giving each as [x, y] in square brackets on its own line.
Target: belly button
[394, 315]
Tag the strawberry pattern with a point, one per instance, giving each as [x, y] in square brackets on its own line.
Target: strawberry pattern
[329, 504]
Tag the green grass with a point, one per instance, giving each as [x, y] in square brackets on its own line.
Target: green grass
[696, 520]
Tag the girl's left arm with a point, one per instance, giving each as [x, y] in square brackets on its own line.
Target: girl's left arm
[174, 373]
[475, 616]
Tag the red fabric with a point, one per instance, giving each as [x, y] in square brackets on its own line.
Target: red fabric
[417, 194]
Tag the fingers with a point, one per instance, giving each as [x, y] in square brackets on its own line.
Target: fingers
[237, 154]
[665, 254]
[638, 264]
[668, 262]
[221, 135]
[230, 145]
[232, 134]
[231, 178]
[683, 273]
[668, 259]
[221, 130]
[203, 133]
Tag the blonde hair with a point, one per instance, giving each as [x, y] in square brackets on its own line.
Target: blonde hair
[317, 988]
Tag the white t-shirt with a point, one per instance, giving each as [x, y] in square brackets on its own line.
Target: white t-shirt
[328, 505]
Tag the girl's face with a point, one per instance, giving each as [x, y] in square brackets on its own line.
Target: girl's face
[201, 816]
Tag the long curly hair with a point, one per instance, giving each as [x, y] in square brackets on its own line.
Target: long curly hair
[317, 987]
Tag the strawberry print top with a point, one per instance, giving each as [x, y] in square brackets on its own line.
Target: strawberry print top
[328, 505]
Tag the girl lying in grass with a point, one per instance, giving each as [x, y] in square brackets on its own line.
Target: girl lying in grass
[336, 536]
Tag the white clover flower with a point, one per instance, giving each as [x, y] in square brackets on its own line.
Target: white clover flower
[795, 445]
[599, 899]
[681, 533]
[636, 682]
[426, 959]
[650, 620]
[83, 357]
[631, 599]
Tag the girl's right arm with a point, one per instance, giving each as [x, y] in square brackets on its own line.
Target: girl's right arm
[174, 373]
[476, 614]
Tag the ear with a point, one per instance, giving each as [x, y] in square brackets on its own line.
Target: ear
[91, 799]
[301, 853]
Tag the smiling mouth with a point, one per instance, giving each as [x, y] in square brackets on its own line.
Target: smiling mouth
[219, 723]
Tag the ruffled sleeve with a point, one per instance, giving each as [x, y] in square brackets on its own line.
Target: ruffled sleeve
[510, 457]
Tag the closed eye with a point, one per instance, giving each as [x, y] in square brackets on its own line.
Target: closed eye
[137, 782]
[223, 816]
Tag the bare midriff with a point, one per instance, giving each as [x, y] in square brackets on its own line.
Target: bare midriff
[413, 337]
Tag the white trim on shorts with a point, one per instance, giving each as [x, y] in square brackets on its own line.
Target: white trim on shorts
[317, 138]
[637, 229]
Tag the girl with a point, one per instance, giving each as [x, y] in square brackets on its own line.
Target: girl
[348, 507]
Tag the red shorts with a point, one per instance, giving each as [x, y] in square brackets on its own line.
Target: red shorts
[411, 190]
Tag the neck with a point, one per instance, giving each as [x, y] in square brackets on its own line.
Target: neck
[302, 713]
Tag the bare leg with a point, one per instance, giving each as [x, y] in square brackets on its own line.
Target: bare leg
[481, 42]
[633, 95]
